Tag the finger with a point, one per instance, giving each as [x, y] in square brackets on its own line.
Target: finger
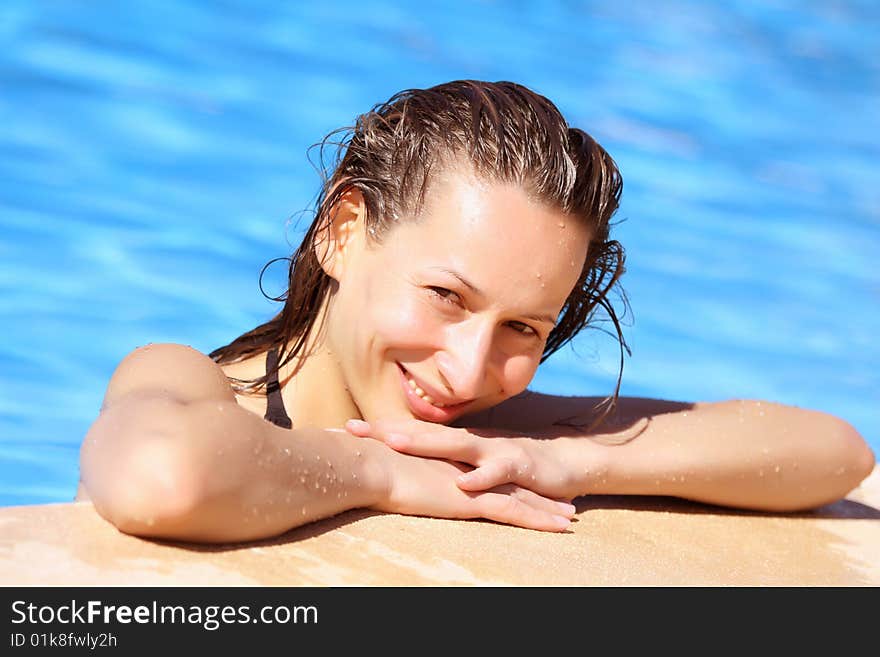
[378, 428]
[488, 475]
[444, 443]
[511, 510]
[358, 428]
[501, 473]
[542, 503]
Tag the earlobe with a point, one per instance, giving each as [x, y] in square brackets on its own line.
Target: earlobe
[339, 236]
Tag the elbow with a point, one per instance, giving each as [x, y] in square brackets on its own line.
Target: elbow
[858, 458]
[834, 458]
[848, 459]
[152, 491]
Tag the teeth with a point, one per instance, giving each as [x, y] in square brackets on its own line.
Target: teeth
[421, 393]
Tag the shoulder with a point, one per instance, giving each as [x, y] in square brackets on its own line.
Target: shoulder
[174, 369]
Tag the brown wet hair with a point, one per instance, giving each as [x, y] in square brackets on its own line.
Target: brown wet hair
[506, 133]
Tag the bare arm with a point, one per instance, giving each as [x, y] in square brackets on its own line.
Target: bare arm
[746, 454]
[172, 455]
[739, 453]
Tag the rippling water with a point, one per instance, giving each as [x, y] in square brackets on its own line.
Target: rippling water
[152, 159]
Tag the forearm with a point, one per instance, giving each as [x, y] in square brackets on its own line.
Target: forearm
[217, 473]
[743, 454]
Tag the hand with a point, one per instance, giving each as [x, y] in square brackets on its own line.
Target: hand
[540, 465]
[427, 487]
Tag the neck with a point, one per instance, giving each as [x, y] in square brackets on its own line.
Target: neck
[312, 384]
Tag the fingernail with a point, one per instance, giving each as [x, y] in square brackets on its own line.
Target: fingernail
[397, 439]
[357, 425]
[567, 508]
[562, 522]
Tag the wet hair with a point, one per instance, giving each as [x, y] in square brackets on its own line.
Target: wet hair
[505, 133]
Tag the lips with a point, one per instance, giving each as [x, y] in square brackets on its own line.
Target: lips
[435, 396]
[424, 409]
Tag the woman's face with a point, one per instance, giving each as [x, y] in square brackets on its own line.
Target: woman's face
[450, 314]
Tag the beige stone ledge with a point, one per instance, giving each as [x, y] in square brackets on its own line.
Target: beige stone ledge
[615, 541]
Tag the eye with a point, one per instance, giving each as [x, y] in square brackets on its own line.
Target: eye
[448, 296]
[525, 329]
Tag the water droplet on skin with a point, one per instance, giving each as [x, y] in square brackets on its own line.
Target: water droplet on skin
[323, 489]
[302, 479]
[304, 510]
[760, 473]
[287, 451]
[777, 469]
[357, 453]
[561, 224]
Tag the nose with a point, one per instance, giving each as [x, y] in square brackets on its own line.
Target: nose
[465, 360]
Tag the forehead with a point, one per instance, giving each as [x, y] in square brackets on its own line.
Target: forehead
[494, 231]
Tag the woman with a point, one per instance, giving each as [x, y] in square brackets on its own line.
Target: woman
[460, 240]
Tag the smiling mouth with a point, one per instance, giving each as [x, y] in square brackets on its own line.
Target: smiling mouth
[424, 396]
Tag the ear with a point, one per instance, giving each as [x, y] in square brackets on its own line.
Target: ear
[342, 233]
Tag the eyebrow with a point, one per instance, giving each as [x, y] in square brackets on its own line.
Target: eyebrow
[473, 288]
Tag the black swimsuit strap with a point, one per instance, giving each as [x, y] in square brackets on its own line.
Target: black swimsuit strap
[275, 411]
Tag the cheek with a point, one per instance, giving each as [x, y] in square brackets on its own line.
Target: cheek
[408, 322]
[518, 373]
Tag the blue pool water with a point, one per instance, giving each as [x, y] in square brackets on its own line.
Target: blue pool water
[152, 159]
